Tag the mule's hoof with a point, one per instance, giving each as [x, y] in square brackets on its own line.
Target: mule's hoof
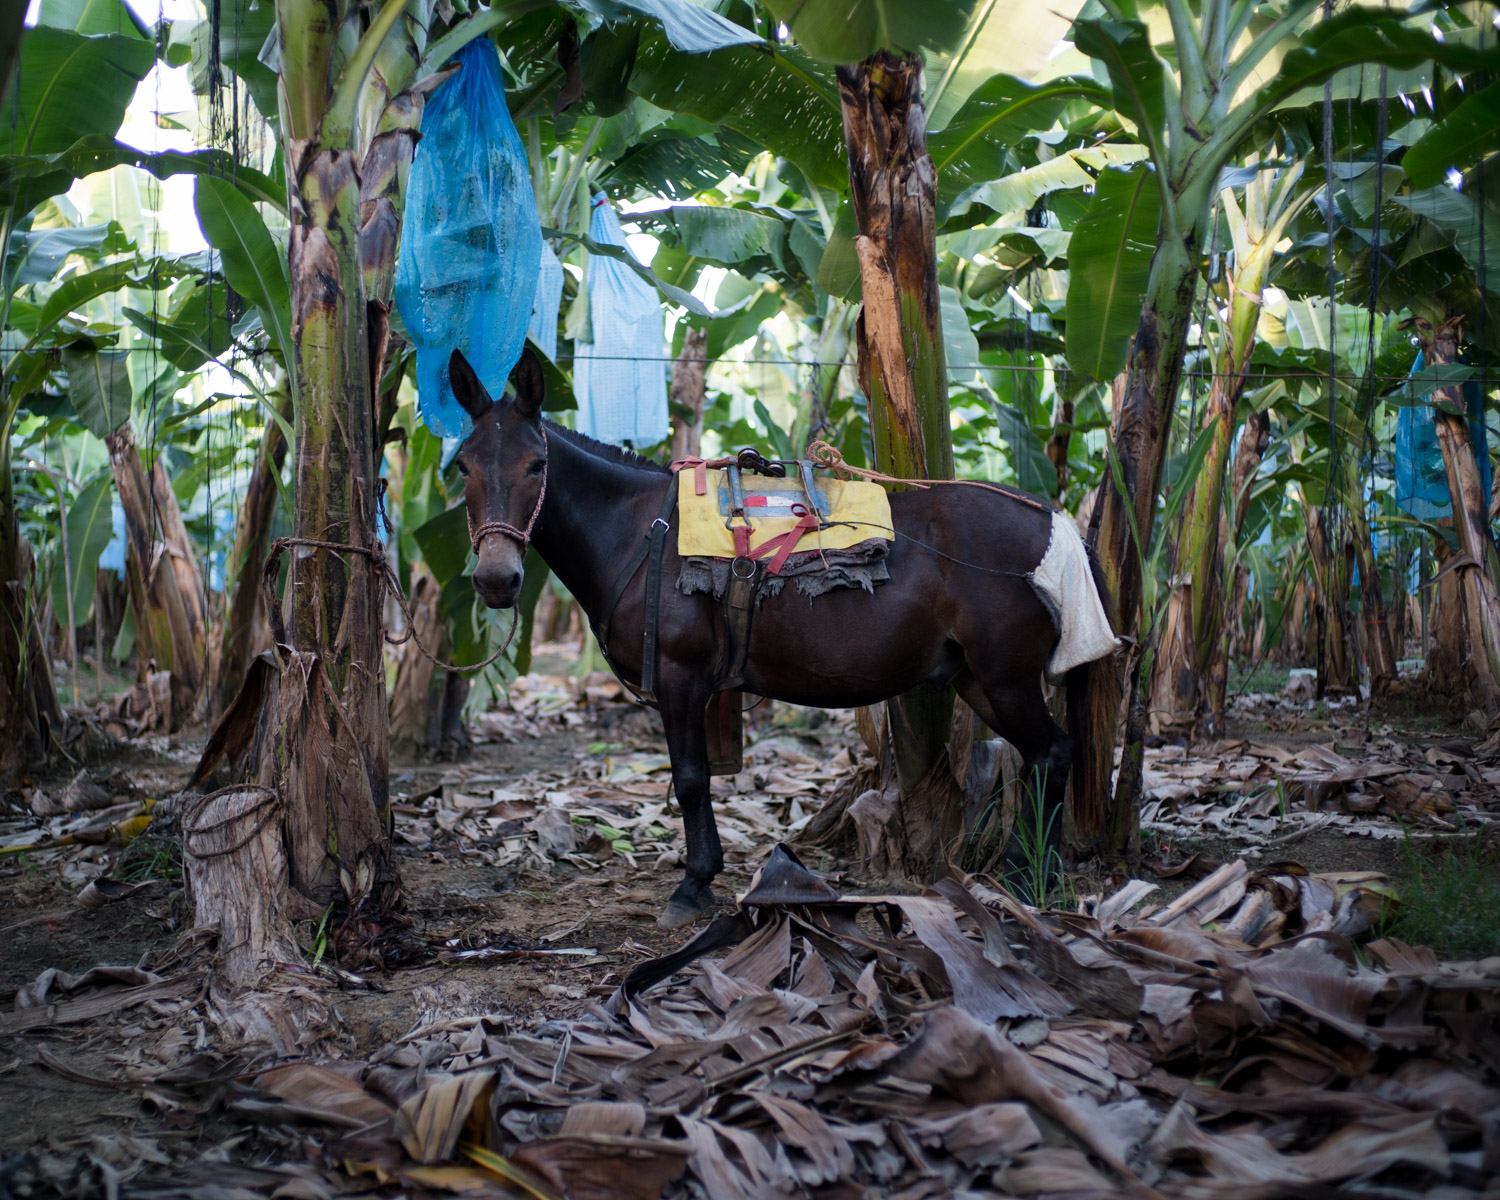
[680, 913]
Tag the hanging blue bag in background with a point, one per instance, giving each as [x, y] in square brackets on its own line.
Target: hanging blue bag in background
[471, 243]
[1421, 474]
[549, 290]
[620, 377]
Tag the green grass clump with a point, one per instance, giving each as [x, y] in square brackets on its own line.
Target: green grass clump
[1266, 677]
[1451, 905]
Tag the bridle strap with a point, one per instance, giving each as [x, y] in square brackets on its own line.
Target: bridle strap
[504, 528]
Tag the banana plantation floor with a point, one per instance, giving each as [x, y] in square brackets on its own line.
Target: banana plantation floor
[1243, 1018]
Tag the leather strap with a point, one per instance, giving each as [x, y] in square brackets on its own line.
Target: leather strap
[739, 608]
[649, 551]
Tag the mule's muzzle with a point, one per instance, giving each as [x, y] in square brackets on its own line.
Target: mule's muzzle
[497, 578]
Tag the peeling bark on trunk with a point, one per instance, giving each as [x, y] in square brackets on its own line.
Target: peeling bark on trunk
[899, 347]
[326, 753]
[899, 334]
[688, 391]
[166, 639]
[237, 644]
[417, 696]
[1330, 582]
[1470, 515]
[237, 874]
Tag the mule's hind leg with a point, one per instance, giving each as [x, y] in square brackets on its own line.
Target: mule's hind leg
[683, 706]
[1018, 713]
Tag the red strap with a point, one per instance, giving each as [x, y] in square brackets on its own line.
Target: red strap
[785, 543]
[700, 470]
[742, 541]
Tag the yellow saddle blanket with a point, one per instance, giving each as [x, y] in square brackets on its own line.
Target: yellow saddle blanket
[850, 511]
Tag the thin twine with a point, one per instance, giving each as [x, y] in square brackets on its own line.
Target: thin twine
[265, 809]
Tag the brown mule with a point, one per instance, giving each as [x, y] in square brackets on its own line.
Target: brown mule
[959, 608]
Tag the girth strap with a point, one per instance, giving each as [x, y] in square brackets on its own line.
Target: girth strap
[650, 552]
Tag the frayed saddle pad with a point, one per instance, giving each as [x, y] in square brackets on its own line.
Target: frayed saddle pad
[848, 550]
[815, 572]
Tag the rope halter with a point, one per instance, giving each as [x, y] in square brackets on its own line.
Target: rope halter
[504, 528]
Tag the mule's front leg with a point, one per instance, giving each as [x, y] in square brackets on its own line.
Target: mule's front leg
[682, 714]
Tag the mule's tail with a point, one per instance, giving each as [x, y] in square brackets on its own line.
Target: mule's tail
[1090, 720]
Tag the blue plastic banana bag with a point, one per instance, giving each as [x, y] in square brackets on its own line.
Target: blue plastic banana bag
[471, 242]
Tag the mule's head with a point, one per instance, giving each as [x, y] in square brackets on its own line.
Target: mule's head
[504, 465]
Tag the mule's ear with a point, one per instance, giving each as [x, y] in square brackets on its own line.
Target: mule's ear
[531, 387]
[467, 389]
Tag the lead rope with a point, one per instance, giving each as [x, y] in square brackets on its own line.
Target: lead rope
[828, 457]
[376, 554]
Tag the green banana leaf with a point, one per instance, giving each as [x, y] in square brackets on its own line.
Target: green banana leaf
[89, 531]
[99, 386]
[847, 31]
[1109, 264]
[254, 264]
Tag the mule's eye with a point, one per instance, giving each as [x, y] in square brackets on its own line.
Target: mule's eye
[463, 467]
[537, 467]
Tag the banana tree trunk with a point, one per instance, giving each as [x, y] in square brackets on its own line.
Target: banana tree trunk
[166, 637]
[179, 553]
[1380, 656]
[1470, 514]
[251, 540]
[30, 714]
[1330, 595]
[328, 756]
[1254, 438]
[417, 694]
[1447, 673]
[688, 392]
[899, 346]
[323, 748]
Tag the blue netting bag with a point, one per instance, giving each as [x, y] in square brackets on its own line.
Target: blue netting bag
[471, 243]
[1421, 477]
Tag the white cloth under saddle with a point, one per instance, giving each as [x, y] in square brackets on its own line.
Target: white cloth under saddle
[1065, 584]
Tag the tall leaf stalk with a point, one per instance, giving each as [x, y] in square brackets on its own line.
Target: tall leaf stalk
[1191, 630]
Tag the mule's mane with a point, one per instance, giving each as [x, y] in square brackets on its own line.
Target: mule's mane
[609, 453]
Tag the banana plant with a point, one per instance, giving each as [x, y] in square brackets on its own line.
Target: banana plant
[1271, 204]
[1194, 113]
